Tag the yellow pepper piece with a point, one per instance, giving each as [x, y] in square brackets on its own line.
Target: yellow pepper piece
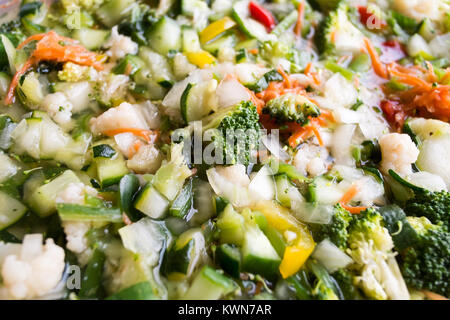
[216, 28]
[293, 259]
[296, 254]
[200, 58]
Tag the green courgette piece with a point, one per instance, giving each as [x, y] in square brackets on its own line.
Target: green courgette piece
[220, 204]
[128, 188]
[103, 151]
[76, 212]
[229, 259]
[139, 291]
[209, 284]
[405, 183]
[259, 256]
[183, 202]
[285, 24]
[92, 276]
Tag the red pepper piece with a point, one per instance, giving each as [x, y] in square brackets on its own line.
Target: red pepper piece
[262, 15]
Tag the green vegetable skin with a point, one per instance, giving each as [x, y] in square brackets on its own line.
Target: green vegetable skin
[145, 220]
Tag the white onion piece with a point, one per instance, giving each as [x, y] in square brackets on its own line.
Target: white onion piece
[262, 186]
[428, 181]
[330, 256]
[230, 92]
[124, 142]
[344, 115]
[342, 140]
[235, 193]
[273, 145]
[312, 213]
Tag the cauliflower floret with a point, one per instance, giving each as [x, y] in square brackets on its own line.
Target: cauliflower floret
[73, 72]
[420, 9]
[147, 160]
[76, 235]
[312, 160]
[75, 231]
[119, 46]
[75, 193]
[74, 5]
[35, 271]
[58, 107]
[111, 87]
[124, 116]
[398, 153]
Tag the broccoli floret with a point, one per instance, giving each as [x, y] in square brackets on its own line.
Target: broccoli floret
[337, 230]
[370, 246]
[426, 265]
[435, 206]
[281, 53]
[235, 133]
[291, 107]
[337, 33]
[325, 5]
[13, 30]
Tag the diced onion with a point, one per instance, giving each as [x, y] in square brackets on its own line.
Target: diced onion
[262, 186]
[331, 256]
[312, 213]
[230, 92]
[273, 145]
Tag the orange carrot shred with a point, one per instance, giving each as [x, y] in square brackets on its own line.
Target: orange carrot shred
[298, 26]
[308, 68]
[377, 65]
[52, 47]
[350, 194]
[433, 296]
[148, 135]
[353, 210]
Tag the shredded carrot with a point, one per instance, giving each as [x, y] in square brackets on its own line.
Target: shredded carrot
[299, 24]
[350, 194]
[256, 101]
[316, 79]
[134, 148]
[287, 79]
[317, 134]
[431, 76]
[302, 134]
[53, 47]
[15, 80]
[308, 68]
[433, 296]
[254, 51]
[407, 78]
[333, 36]
[148, 135]
[377, 65]
[353, 210]
[427, 97]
